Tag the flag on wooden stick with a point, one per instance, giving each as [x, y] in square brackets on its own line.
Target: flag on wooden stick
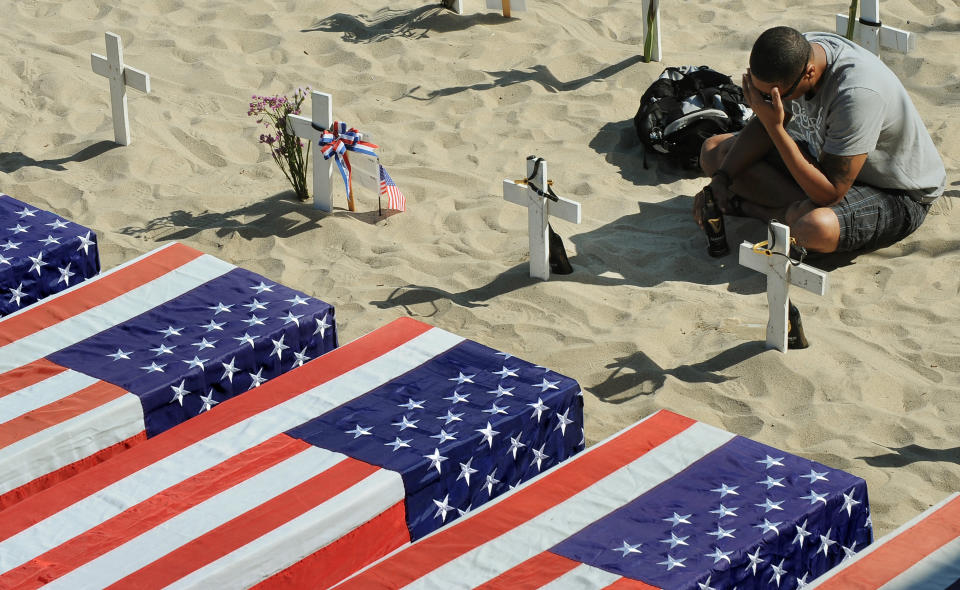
[395, 199]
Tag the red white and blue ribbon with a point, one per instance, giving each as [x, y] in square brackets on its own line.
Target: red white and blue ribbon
[337, 141]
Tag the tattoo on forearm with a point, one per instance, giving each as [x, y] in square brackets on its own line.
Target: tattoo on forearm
[838, 169]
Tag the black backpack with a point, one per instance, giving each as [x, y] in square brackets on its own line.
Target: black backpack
[684, 107]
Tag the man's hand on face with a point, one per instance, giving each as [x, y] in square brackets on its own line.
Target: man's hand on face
[770, 112]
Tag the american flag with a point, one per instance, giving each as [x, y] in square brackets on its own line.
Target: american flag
[923, 553]
[41, 253]
[131, 353]
[388, 187]
[668, 503]
[307, 479]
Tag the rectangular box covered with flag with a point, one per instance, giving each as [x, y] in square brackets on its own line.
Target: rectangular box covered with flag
[41, 253]
[668, 503]
[923, 553]
[131, 353]
[304, 481]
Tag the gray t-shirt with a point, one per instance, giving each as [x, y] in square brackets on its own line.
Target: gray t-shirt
[862, 108]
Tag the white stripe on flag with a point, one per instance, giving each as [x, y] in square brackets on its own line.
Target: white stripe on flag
[74, 439]
[583, 576]
[137, 487]
[198, 520]
[120, 309]
[295, 540]
[555, 524]
[40, 394]
[940, 569]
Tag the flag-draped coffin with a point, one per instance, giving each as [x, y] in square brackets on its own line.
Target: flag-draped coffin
[923, 553]
[41, 254]
[307, 479]
[137, 350]
[668, 503]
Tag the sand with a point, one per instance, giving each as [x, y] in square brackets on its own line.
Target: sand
[647, 321]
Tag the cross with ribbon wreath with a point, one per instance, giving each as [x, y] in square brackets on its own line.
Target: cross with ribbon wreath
[336, 139]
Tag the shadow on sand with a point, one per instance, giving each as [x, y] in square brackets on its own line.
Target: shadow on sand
[387, 23]
[12, 161]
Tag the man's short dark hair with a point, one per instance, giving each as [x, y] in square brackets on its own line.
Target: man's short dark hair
[778, 55]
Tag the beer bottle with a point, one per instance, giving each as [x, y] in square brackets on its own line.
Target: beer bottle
[713, 226]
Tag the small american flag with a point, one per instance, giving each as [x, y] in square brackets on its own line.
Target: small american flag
[395, 199]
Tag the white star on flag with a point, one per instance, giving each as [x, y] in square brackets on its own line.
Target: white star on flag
[254, 305]
[849, 503]
[214, 325]
[724, 489]
[412, 405]
[547, 385]
[815, 497]
[488, 433]
[770, 461]
[826, 542]
[253, 320]
[257, 378]
[495, 409]
[297, 300]
[5, 260]
[754, 560]
[162, 349]
[772, 482]
[279, 347]
[405, 424]
[815, 476]
[196, 362]
[466, 471]
[721, 533]
[37, 263]
[802, 533]
[450, 417]
[262, 287]
[435, 459]
[515, 445]
[120, 354]
[398, 443]
[461, 378]
[65, 274]
[179, 392]
[505, 372]
[443, 508]
[57, 224]
[27, 212]
[717, 555]
[170, 331]
[10, 245]
[674, 540]
[768, 526]
[778, 572]
[301, 357]
[290, 318]
[17, 294]
[154, 368]
[229, 370]
[50, 240]
[456, 398]
[208, 401]
[538, 408]
[501, 391]
[539, 456]
[564, 421]
[20, 229]
[359, 431]
[769, 505]
[672, 563]
[677, 519]
[220, 307]
[706, 585]
[491, 481]
[627, 549]
[724, 511]
[246, 339]
[204, 343]
[85, 243]
[322, 326]
[443, 436]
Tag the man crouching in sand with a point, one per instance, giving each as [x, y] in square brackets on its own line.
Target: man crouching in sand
[837, 150]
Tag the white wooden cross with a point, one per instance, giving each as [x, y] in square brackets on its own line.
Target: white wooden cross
[871, 34]
[120, 77]
[321, 111]
[503, 5]
[539, 208]
[781, 273]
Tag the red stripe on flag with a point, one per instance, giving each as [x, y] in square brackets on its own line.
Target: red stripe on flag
[898, 554]
[249, 526]
[27, 375]
[630, 584]
[535, 572]
[152, 512]
[43, 482]
[276, 391]
[349, 553]
[58, 411]
[95, 292]
[563, 482]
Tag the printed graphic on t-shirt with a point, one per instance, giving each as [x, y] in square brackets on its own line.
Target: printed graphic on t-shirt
[809, 129]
